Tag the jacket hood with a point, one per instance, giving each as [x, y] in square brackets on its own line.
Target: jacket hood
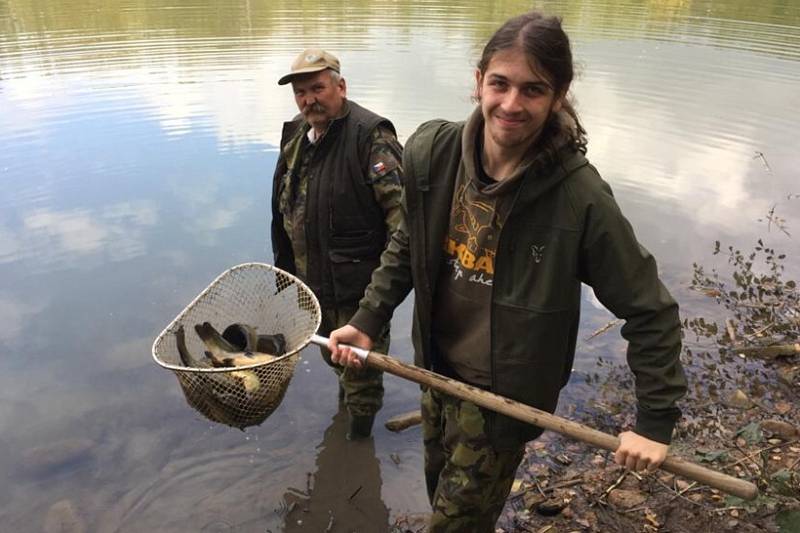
[543, 169]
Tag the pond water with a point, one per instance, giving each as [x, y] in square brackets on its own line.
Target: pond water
[138, 143]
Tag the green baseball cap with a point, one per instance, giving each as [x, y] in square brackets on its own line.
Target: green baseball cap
[310, 60]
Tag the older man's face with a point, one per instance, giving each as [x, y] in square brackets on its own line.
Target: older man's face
[319, 98]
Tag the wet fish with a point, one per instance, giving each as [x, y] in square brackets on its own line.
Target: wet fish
[186, 357]
[246, 338]
[241, 336]
[271, 344]
[224, 354]
[215, 400]
[247, 379]
[234, 397]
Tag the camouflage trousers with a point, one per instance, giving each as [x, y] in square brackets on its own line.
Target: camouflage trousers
[362, 390]
[468, 480]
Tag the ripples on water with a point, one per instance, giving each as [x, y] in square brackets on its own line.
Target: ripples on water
[138, 141]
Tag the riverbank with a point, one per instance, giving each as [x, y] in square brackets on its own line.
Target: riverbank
[741, 416]
[567, 486]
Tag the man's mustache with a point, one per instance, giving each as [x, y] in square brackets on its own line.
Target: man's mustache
[313, 108]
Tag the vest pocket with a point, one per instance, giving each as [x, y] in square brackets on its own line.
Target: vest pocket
[353, 242]
[351, 274]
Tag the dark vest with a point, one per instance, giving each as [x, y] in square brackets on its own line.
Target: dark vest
[345, 227]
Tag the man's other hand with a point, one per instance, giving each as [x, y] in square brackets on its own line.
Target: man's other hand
[639, 453]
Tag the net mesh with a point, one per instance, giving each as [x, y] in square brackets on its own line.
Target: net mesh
[256, 294]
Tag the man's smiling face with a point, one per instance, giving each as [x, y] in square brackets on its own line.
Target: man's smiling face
[516, 101]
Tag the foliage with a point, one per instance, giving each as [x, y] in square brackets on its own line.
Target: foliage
[712, 456]
[763, 310]
[740, 411]
[763, 305]
[751, 433]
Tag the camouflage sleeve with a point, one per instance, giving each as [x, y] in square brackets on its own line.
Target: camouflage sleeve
[386, 175]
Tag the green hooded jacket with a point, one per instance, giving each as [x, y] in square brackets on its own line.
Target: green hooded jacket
[564, 228]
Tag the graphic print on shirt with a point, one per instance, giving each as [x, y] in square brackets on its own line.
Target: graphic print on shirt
[471, 242]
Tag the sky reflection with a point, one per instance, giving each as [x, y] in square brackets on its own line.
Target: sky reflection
[138, 143]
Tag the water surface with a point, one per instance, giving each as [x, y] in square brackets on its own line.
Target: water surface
[138, 143]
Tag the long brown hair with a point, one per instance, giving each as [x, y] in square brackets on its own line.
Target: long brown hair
[547, 47]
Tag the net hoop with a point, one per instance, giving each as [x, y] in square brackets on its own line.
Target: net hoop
[262, 296]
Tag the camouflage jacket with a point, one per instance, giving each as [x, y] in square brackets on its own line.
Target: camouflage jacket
[336, 201]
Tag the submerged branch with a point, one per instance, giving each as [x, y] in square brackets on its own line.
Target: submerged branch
[780, 350]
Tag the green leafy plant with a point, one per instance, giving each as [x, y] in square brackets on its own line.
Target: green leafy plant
[764, 308]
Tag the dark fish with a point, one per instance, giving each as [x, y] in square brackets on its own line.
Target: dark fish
[224, 354]
[271, 344]
[246, 338]
[242, 337]
[247, 379]
[186, 358]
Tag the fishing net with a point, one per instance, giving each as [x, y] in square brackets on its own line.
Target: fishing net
[258, 295]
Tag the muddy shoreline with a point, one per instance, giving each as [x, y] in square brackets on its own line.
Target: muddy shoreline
[741, 417]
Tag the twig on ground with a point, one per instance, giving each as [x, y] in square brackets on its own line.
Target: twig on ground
[404, 421]
[330, 524]
[746, 458]
[564, 484]
[769, 351]
[549, 488]
[684, 490]
[539, 487]
[613, 485]
[759, 451]
[603, 329]
[726, 509]
[354, 493]
[731, 330]
[679, 494]
[759, 332]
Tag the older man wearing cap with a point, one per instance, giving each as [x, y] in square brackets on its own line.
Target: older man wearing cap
[335, 203]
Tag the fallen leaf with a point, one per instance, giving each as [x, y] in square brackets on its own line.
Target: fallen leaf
[626, 498]
[552, 506]
[751, 433]
[651, 517]
[782, 429]
[788, 375]
[532, 498]
[666, 478]
[563, 459]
